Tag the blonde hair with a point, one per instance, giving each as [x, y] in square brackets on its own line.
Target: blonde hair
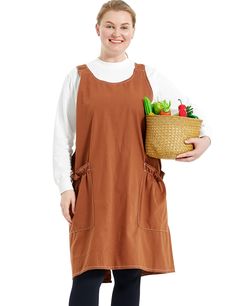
[116, 5]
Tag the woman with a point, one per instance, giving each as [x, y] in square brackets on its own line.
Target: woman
[112, 194]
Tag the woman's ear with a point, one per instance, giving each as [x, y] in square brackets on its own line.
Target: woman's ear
[133, 33]
[97, 27]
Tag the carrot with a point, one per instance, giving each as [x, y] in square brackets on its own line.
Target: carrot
[165, 113]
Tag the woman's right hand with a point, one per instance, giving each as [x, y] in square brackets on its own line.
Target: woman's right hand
[68, 199]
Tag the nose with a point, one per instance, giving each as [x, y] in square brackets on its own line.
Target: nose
[115, 32]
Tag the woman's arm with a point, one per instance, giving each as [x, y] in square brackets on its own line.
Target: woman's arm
[64, 132]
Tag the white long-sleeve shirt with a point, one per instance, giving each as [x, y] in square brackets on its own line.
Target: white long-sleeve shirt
[65, 121]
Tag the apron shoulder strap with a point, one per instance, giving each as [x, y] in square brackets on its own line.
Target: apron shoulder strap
[140, 66]
[81, 67]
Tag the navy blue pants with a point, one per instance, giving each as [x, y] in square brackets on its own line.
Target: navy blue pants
[126, 290]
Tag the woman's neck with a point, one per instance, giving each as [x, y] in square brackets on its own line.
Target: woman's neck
[110, 58]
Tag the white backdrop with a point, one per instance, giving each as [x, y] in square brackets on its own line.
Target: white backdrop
[192, 43]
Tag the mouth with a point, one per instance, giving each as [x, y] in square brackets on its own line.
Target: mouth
[116, 41]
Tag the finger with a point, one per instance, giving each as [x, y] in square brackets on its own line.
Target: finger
[66, 214]
[186, 159]
[186, 154]
[191, 140]
[68, 217]
[73, 205]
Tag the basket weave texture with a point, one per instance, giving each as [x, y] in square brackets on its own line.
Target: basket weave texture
[165, 135]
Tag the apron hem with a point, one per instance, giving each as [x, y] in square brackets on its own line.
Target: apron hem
[107, 276]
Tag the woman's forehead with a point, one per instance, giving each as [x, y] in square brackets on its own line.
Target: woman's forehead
[120, 17]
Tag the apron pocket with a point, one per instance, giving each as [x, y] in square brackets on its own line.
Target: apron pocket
[83, 218]
[152, 208]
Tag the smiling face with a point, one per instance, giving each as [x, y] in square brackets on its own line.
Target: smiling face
[115, 31]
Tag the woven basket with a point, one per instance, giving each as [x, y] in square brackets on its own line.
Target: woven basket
[165, 135]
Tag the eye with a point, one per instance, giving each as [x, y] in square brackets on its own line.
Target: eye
[125, 28]
[109, 26]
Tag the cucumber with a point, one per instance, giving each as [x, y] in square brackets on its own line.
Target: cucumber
[147, 106]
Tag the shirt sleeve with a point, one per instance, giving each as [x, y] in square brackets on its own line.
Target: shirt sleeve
[64, 132]
[163, 88]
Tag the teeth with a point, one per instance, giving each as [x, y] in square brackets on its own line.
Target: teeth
[115, 41]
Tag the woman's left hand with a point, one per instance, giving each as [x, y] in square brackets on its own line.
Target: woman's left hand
[200, 146]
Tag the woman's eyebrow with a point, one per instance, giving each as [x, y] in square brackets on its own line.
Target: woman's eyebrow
[113, 23]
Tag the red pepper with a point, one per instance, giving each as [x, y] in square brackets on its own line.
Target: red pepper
[182, 109]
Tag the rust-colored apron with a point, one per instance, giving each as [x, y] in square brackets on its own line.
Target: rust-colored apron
[120, 219]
